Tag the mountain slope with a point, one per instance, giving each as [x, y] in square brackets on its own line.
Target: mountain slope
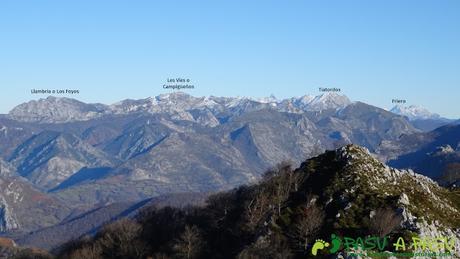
[83, 224]
[6, 169]
[50, 157]
[414, 112]
[174, 158]
[362, 176]
[23, 208]
[137, 140]
[341, 192]
[428, 153]
[366, 125]
[89, 222]
[161, 154]
[12, 134]
[204, 110]
[53, 109]
[328, 101]
[420, 117]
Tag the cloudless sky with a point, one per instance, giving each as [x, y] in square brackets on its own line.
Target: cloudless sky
[112, 50]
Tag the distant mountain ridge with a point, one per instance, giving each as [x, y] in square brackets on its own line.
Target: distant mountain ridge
[208, 111]
[55, 109]
[420, 117]
[61, 109]
[414, 112]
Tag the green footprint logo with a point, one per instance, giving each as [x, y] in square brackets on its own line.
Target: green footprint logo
[319, 245]
[336, 242]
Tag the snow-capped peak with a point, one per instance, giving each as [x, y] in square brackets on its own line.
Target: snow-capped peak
[55, 109]
[329, 101]
[270, 99]
[306, 99]
[414, 112]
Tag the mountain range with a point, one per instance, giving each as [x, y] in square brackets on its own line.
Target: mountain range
[420, 117]
[178, 104]
[209, 111]
[76, 157]
[340, 194]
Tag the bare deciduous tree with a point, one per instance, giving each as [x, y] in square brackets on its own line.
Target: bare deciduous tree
[281, 192]
[119, 239]
[258, 208]
[451, 173]
[310, 222]
[221, 204]
[189, 243]
[87, 252]
[282, 181]
[384, 221]
[158, 256]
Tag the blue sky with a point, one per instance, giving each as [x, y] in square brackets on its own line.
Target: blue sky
[111, 50]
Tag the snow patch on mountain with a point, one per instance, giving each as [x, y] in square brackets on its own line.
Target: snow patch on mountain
[328, 101]
[179, 104]
[414, 112]
[54, 109]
